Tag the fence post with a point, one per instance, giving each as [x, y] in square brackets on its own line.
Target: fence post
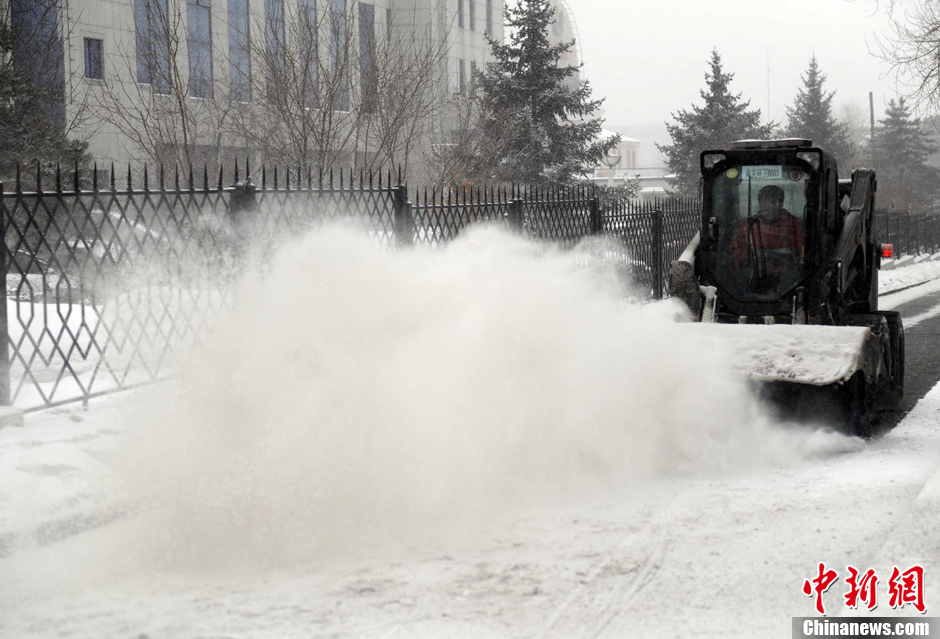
[909, 233]
[897, 236]
[404, 220]
[900, 242]
[243, 203]
[931, 233]
[897, 244]
[5, 399]
[597, 221]
[515, 214]
[657, 231]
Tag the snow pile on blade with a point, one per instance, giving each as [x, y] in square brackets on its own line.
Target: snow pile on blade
[816, 355]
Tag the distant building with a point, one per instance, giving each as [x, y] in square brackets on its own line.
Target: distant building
[466, 24]
[126, 45]
[622, 164]
[621, 161]
[565, 29]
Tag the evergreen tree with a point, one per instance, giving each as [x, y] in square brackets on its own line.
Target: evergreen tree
[811, 117]
[723, 119]
[535, 123]
[905, 181]
[29, 130]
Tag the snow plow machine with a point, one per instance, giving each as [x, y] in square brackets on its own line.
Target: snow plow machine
[785, 270]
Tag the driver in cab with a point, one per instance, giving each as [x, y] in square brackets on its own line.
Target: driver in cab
[771, 239]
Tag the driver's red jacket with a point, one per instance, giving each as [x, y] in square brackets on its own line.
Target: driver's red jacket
[781, 238]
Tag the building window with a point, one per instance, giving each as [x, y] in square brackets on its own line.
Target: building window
[367, 54]
[200, 48]
[152, 21]
[340, 49]
[309, 57]
[489, 17]
[38, 51]
[460, 14]
[239, 48]
[473, 78]
[473, 15]
[388, 25]
[461, 77]
[274, 34]
[94, 63]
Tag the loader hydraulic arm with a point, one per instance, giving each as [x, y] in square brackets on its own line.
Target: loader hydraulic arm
[856, 229]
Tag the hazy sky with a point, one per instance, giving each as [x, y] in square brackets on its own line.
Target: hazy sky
[648, 57]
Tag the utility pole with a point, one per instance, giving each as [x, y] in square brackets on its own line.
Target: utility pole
[871, 112]
[768, 83]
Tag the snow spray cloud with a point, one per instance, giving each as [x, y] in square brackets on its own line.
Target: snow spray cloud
[355, 393]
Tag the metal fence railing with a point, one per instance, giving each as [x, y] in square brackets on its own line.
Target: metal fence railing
[107, 279]
[438, 217]
[107, 275]
[654, 234]
[910, 233]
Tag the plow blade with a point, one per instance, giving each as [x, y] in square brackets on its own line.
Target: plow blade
[838, 375]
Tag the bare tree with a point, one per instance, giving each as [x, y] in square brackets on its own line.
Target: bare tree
[452, 161]
[912, 47]
[337, 93]
[409, 98]
[310, 82]
[174, 115]
[303, 114]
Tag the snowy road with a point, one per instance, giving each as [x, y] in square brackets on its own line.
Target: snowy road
[705, 550]
[693, 556]
[922, 330]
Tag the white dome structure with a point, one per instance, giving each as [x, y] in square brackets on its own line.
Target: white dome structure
[620, 161]
[565, 29]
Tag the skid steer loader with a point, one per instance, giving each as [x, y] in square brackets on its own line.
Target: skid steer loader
[785, 269]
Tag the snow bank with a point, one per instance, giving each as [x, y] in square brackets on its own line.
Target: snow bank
[357, 396]
[905, 276]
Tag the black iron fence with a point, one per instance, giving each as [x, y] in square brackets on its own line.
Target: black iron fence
[109, 275]
[910, 233]
[647, 235]
[437, 217]
[654, 234]
[106, 280]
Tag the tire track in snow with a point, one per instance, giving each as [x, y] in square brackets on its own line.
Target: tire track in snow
[604, 592]
[52, 532]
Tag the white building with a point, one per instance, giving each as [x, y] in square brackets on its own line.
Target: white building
[205, 53]
[565, 29]
[619, 163]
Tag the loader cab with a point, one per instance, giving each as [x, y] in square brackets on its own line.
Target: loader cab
[764, 203]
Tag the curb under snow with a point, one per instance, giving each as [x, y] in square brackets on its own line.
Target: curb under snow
[908, 273]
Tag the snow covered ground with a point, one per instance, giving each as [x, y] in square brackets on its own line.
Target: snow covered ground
[668, 555]
[483, 443]
[909, 275]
